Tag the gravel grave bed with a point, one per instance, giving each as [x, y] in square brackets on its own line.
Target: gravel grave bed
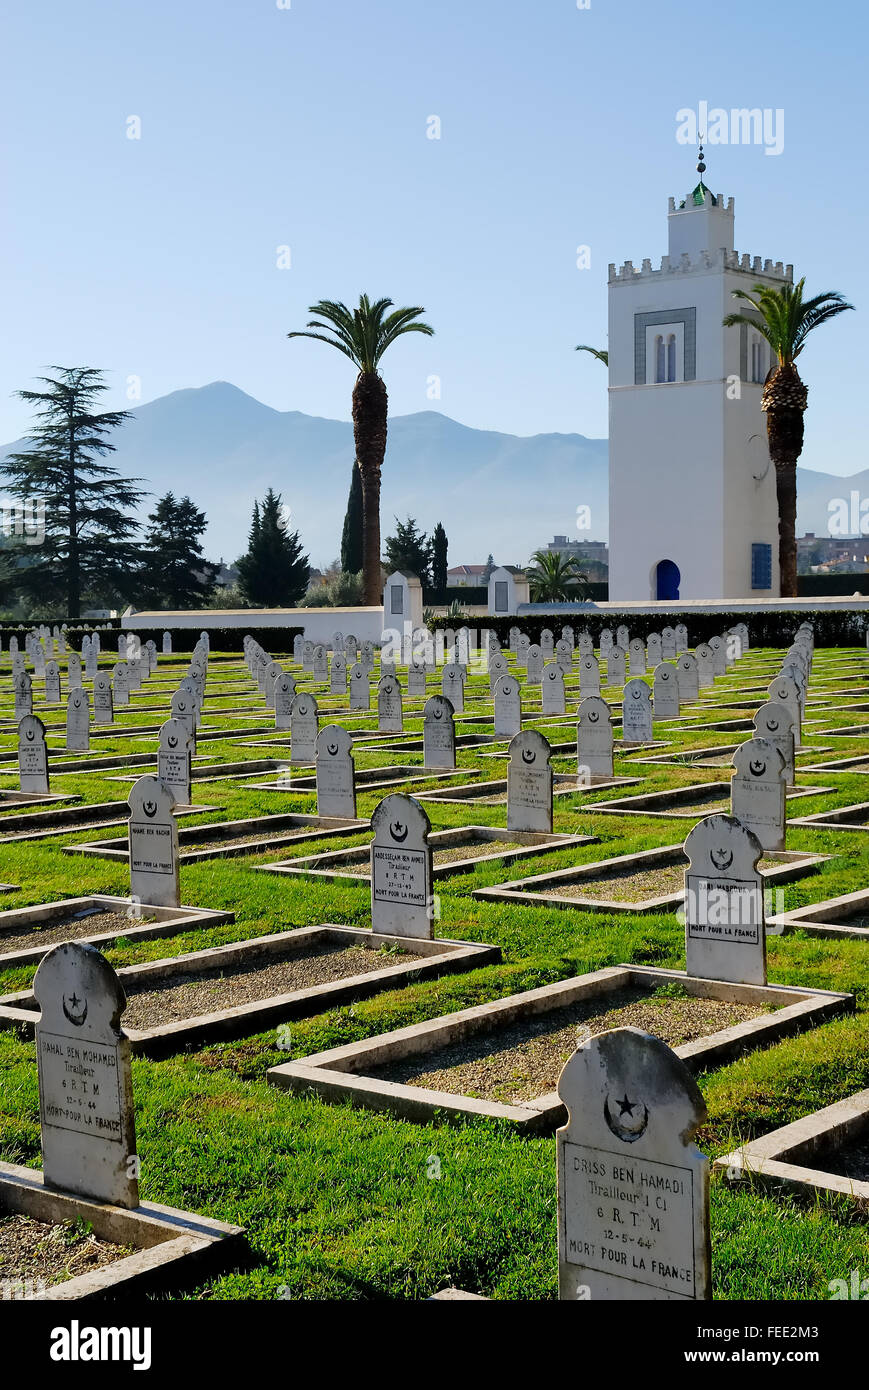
[524, 1060]
[451, 854]
[188, 996]
[624, 888]
[33, 1251]
[630, 886]
[850, 1161]
[52, 932]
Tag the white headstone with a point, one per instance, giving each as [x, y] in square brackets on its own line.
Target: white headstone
[438, 733]
[654, 650]
[775, 723]
[23, 687]
[616, 663]
[784, 691]
[304, 725]
[78, 721]
[389, 712]
[120, 683]
[73, 670]
[416, 680]
[681, 638]
[153, 833]
[666, 691]
[633, 1190]
[637, 713]
[85, 1087]
[534, 665]
[32, 755]
[508, 707]
[529, 783]
[453, 686]
[360, 687]
[668, 644]
[594, 738]
[104, 709]
[688, 673]
[637, 655]
[758, 791]
[552, 689]
[564, 655]
[167, 643]
[589, 676]
[321, 664]
[705, 666]
[284, 692]
[182, 706]
[52, 683]
[173, 760]
[336, 778]
[725, 936]
[402, 900]
[338, 674]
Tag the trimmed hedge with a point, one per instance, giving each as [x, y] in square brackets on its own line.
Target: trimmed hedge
[838, 627]
[220, 639]
[184, 639]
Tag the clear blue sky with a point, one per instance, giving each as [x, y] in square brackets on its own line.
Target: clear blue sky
[306, 127]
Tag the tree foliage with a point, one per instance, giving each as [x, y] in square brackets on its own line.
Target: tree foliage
[174, 573]
[89, 549]
[274, 572]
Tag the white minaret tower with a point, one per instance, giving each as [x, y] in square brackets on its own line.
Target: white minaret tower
[692, 499]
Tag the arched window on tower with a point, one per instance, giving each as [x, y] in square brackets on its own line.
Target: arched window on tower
[671, 357]
[660, 362]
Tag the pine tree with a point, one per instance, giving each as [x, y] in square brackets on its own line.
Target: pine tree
[274, 573]
[439, 547]
[174, 573]
[88, 549]
[409, 549]
[351, 538]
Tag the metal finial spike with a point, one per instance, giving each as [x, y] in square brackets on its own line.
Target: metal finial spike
[701, 166]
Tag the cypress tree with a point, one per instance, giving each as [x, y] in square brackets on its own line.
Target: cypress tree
[351, 538]
[439, 547]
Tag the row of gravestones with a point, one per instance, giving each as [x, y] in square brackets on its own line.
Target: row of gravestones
[633, 1188]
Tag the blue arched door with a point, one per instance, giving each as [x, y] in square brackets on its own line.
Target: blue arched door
[667, 579]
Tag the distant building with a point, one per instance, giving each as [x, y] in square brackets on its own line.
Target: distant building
[466, 576]
[832, 554]
[592, 556]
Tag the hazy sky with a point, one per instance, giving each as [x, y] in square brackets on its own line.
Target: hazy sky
[305, 125]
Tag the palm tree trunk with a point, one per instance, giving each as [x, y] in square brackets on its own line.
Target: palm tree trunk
[370, 409]
[786, 494]
[784, 402]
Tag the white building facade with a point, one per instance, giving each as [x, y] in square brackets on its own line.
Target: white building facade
[693, 512]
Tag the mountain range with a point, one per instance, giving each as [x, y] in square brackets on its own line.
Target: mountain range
[497, 493]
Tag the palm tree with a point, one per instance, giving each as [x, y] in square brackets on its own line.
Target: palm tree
[556, 578]
[601, 354]
[363, 335]
[785, 320]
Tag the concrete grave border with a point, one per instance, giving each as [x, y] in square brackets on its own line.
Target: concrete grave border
[339, 1075]
[473, 791]
[793, 864]
[439, 955]
[828, 918]
[782, 1158]
[175, 1248]
[326, 828]
[170, 921]
[696, 791]
[534, 842]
